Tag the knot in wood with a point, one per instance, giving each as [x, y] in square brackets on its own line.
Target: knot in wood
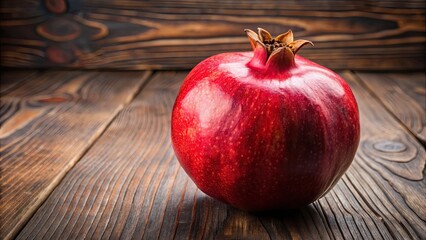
[59, 29]
[389, 146]
[56, 6]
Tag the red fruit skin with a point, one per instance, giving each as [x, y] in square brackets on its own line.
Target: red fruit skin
[264, 140]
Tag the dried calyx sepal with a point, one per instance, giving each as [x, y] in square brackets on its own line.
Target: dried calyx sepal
[281, 43]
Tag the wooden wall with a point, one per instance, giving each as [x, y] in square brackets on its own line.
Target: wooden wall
[166, 34]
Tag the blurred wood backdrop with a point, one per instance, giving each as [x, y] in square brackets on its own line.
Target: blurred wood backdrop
[163, 34]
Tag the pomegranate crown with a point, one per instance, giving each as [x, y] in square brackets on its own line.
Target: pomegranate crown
[278, 51]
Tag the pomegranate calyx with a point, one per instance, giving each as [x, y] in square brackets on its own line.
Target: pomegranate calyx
[285, 38]
[295, 46]
[280, 50]
[264, 36]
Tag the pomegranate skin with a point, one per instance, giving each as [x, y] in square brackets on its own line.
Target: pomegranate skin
[264, 140]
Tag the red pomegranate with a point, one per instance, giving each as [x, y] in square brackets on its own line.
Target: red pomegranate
[266, 129]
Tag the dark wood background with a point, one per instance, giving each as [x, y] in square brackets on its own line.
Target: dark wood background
[164, 34]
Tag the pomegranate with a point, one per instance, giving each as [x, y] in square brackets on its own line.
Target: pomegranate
[266, 129]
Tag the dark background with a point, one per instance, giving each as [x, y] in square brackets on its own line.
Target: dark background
[161, 34]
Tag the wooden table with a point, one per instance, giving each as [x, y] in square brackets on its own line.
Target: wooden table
[87, 154]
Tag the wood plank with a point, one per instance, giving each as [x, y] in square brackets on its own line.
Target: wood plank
[164, 34]
[404, 95]
[48, 121]
[387, 174]
[129, 184]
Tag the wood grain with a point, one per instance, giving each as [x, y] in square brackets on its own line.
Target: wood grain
[404, 95]
[129, 184]
[163, 34]
[48, 121]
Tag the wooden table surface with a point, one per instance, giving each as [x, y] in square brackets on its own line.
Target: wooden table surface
[87, 154]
